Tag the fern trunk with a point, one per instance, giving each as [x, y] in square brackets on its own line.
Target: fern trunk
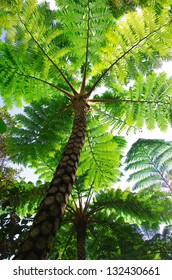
[47, 221]
[80, 228]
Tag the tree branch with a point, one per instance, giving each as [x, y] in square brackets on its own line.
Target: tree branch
[76, 207]
[57, 114]
[99, 208]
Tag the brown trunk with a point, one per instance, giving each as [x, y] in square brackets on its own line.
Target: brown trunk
[47, 221]
[80, 228]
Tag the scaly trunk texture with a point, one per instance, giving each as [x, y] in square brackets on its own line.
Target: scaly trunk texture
[47, 221]
[80, 228]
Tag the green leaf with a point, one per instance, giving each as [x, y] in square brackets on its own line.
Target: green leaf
[3, 126]
[149, 162]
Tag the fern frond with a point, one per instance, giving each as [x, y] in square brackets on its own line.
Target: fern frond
[146, 102]
[149, 162]
[33, 131]
[147, 182]
[126, 205]
[100, 162]
[18, 78]
[136, 38]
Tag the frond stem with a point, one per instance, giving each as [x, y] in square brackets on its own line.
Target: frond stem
[71, 209]
[74, 203]
[47, 165]
[125, 100]
[52, 118]
[96, 209]
[87, 50]
[88, 199]
[46, 82]
[57, 114]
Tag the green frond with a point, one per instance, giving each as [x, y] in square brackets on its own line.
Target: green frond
[147, 182]
[137, 163]
[3, 126]
[30, 63]
[149, 162]
[38, 128]
[24, 197]
[150, 117]
[120, 7]
[45, 168]
[100, 162]
[8, 16]
[130, 114]
[75, 17]
[29, 8]
[163, 156]
[61, 49]
[127, 205]
[22, 78]
[138, 37]
[162, 120]
[141, 174]
[140, 116]
[146, 102]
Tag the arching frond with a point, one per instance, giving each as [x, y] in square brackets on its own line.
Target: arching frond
[65, 40]
[132, 207]
[146, 102]
[66, 48]
[150, 163]
[38, 131]
[100, 161]
[84, 23]
[137, 42]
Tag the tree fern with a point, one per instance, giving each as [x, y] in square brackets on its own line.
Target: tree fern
[150, 163]
[71, 51]
[110, 212]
